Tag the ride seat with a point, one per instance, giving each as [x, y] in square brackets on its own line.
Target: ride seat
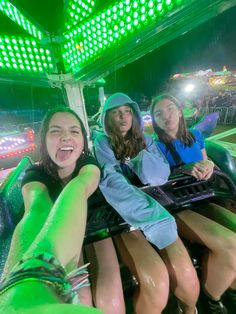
[222, 158]
[11, 206]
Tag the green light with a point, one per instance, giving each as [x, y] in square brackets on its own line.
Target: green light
[15, 15]
[15, 56]
[110, 26]
[77, 11]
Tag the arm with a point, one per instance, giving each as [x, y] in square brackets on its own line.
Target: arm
[67, 218]
[137, 208]
[53, 228]
[150, 165]
[202, 169]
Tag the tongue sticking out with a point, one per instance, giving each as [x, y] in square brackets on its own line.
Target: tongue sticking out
[63, 154]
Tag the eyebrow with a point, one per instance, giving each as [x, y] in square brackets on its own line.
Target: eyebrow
[158, 110]
[60, 127]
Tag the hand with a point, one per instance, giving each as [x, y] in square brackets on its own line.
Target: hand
[201, 170]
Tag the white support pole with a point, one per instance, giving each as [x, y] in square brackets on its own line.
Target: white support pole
[75, 97]
[101, 96]
[74, 91]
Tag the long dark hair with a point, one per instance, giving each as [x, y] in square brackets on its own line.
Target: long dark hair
[49, 166]
[186, 137]
[130, 144]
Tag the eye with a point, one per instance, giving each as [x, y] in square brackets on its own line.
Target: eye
[54, 131]
[75, 132]
[114, 112]
[171, 108]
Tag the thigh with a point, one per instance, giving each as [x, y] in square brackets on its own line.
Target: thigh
[219, 214]
[104, 265]
[138, 254]
[200, 229]
[180, 268]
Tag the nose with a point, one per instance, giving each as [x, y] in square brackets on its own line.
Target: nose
[122, 115]
[65, 136]
[165, 115]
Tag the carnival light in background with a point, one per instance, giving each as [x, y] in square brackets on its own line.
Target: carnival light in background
[16, 143]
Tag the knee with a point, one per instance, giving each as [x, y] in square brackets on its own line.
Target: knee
[188, 285]
[153, 282]
[227, 249]
[111, 304]
[108, 295]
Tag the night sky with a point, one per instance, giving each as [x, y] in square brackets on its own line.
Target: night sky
[211, 45]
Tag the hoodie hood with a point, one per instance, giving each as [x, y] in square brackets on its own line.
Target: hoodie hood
[117, 100]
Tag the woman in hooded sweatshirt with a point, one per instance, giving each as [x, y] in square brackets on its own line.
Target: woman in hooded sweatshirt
[208, 224]
[130, 159]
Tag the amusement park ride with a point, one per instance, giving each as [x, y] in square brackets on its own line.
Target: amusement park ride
[72, 44]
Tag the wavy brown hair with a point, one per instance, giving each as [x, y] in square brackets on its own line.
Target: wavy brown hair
[183, 134]
[49, 166]
[130, 144]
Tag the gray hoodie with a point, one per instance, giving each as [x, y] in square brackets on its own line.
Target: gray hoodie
[150, 166]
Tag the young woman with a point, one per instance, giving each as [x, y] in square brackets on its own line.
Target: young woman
[210, 225]
[130, 159]
[49, 238]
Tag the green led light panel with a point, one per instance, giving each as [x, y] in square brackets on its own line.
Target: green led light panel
[14, 14]
[110, 27]
[77, 11]
[24, 55]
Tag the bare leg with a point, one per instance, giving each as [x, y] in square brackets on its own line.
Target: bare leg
[84, 293]
[219, 214]
[150, 271]
[38, 298]
[183, 278]
[105, 277]
[219, 267]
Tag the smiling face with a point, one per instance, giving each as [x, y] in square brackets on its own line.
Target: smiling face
[122, 118]
[167, 116]
[64, 142]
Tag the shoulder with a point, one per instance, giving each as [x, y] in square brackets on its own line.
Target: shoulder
[86, 160]
[36, 173]
[101, 138]
[148, 139]
[157, 142]
[101, 142]
[195, 132]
